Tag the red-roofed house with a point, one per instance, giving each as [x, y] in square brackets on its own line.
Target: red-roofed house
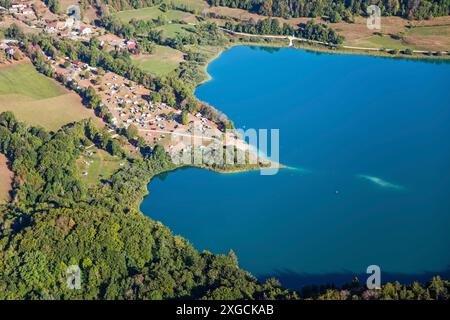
[131, 45]
[27, 11]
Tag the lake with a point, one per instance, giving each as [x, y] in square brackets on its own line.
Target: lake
[367, 142]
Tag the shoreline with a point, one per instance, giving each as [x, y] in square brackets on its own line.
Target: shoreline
[307, 47]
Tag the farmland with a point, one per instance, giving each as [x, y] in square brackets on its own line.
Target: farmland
[38, 100]
[6, 177]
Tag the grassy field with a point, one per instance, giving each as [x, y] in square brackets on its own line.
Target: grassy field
[424, 37]
[385, 41]
[162, 61]
[172, 29]
[197, 5]
[24, 80]
[39, 100]
[154, 13]
[6, 177]
[98, 164]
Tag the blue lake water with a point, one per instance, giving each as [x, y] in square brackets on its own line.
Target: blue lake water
[372, 139]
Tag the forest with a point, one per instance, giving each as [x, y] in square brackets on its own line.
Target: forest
[421, 9]
[56, 221]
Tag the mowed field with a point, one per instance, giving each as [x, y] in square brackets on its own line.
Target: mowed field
[155, 12]
[6, 179]
[38, 100]
[172, 29]
[162, 61]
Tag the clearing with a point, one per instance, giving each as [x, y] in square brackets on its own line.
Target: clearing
[197, 5]
[172, 29]
[155, 12]
[6, 179]
[38, 100]
[162, 61]
[96, 164]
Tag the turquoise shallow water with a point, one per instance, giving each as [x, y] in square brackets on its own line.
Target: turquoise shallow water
[370, 138]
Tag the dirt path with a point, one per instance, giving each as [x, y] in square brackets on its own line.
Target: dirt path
[6, 179]
[292, 38]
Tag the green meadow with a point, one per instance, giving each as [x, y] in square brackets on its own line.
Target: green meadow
[162, 61]
[38, 100]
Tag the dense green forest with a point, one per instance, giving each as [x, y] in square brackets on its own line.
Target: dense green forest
[421, 9]
[56, 221]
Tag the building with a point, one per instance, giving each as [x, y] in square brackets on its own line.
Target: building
[78, 64]
[51, 27]
[27, 11]
[131, 45]
[84, 30]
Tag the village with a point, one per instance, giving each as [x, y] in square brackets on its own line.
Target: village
[34, 16]
[127, 102]
[157, 123]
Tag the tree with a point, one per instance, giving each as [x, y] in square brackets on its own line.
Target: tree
[131, 132]
[335, 17]
[184, 118]
[114, 147]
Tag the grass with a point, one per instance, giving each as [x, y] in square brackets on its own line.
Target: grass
[385, 41]
[98, 164]
[426, 37]
[153, 13]
[162, 61]
[38, 100]
[172, 29]
[24, 80]
[430, 31]
[6, 177]
[197, 5]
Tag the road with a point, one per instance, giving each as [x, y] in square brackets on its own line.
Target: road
[292, 38]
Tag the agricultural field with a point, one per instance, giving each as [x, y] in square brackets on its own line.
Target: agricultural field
[154, 13]
[162, 61]
[39, 100]
[96, 164]
[6, 179]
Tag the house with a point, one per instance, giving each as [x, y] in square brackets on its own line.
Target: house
[19, 5]
[59, 72]
[9, 51]
[27, 11]
[131, 45]
[78, 64]
[84, 30]
[51, 27]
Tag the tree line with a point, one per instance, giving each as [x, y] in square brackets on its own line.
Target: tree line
[420, 9]
[272, 26]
